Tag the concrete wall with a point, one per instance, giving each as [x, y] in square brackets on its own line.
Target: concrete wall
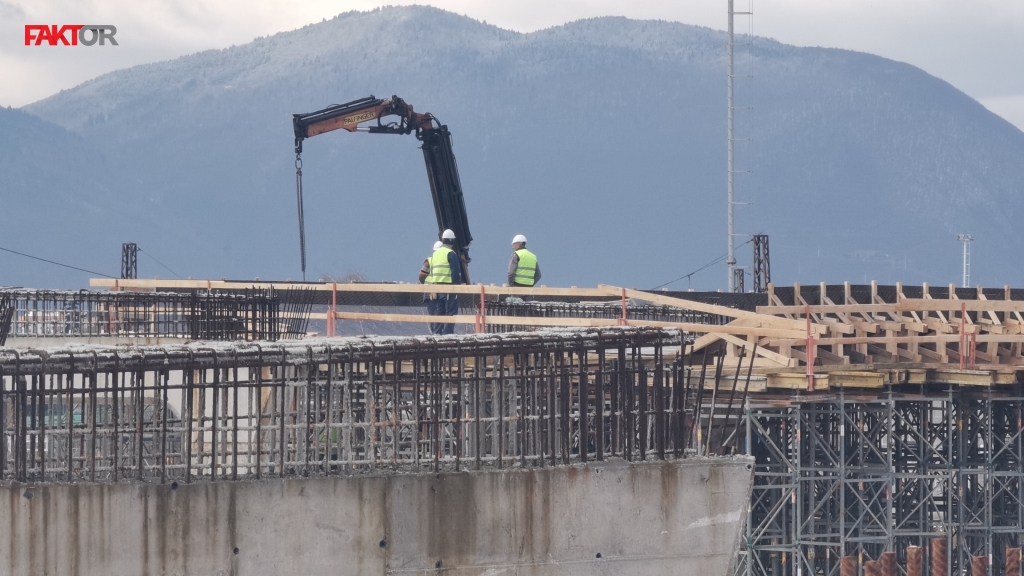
[657, 518]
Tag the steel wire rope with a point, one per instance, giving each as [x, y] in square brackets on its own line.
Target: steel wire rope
[161, 263]
[704, 267]
[56, 263]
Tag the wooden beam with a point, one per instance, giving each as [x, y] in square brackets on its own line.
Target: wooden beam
[764, 353]
[904, 305]
[564, 322]
[764, 320]
[364, 287]
[883, 340]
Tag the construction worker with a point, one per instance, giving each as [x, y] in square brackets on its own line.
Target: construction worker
[424, 274]
[445, 268]
[523, 269]
[425, 269]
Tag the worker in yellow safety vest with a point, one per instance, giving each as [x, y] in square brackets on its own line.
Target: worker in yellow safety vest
[523, 269]
[425, 269]
[443, 267]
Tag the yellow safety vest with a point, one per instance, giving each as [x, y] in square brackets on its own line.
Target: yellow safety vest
[527, 267]
[440, 270]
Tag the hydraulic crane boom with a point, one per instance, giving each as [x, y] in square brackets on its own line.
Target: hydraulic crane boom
[394, 116]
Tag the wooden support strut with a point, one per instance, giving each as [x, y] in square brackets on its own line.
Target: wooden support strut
[810, 352]
[623, 320]
[963, 339]
[481, 316]
[333, 316]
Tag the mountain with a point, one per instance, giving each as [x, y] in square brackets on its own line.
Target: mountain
[603, 141]
[58, 200]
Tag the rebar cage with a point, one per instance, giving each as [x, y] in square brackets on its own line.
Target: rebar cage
[199, 315]
[340, 406]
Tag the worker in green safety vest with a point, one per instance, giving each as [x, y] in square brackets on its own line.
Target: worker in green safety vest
[523, 269]
[443, 267]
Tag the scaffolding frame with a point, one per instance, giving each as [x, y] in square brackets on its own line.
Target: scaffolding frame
[858, 473]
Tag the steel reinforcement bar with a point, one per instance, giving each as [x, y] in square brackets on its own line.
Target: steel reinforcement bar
[246, 315]
[213, 411]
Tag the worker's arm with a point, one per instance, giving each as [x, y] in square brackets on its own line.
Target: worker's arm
[513, 263]
[456, 265]
[536, 275]
[425, 270]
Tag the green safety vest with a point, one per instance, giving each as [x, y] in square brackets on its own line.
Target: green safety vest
[527, 268]
[440, 271]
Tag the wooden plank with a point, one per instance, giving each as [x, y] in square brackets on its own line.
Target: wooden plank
[837, 326]
[828, 357]
[764, 320]
[909, 355]
[562, 322]
[948, 305]
[830, 309]
[904, 305]
[962, 377]
[757, 383]
[864, 325]
[796, 381]
[418, 318]
[764, 353]
[367, 287]
[883, 340]
[856, 379]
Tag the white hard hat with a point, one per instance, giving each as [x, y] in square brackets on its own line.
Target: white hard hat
[448, 235]
[438, 244]
[519, 238]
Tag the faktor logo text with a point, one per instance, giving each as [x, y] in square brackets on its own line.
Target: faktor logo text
[70, 34]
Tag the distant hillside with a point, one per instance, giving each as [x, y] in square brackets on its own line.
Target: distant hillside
[603, 141]
[56, 202]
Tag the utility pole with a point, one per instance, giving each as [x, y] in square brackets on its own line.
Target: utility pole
[966, 240]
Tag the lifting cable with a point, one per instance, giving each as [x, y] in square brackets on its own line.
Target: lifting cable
[298, 194]
[704, 267]
[57, 263]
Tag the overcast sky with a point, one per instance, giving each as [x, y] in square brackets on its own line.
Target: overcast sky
[976, 45]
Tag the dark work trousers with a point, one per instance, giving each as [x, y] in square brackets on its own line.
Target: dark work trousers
[523, 297]
[443, 305]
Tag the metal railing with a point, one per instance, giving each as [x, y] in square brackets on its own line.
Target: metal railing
[245, 410]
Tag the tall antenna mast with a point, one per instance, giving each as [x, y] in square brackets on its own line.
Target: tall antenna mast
[966, 240]
[730, 261]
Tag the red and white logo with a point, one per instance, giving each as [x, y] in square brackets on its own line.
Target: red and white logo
[70, 34]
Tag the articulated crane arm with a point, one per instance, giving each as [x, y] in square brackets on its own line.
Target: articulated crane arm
[394, 116]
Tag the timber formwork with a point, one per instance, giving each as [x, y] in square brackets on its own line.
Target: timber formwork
[856, 473]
